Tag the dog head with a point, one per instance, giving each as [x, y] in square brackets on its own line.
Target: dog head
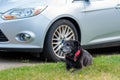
[70, 47]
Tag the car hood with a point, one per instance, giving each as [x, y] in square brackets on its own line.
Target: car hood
[6, 5]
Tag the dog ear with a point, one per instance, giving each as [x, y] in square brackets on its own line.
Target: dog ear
[77, 43]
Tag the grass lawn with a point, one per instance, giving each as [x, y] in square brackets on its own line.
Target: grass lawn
[106, 67]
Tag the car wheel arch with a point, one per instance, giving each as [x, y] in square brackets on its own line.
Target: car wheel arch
[77, 26]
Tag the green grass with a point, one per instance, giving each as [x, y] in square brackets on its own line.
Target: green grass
[103, 68]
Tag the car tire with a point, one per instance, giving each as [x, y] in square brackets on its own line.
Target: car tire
[60, 31]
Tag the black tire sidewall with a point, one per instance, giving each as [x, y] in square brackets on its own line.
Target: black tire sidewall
[48, 50]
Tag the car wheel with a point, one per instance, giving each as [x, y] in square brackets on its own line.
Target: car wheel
[60, 31]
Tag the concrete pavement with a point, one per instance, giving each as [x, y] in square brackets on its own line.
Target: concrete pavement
[11, 60]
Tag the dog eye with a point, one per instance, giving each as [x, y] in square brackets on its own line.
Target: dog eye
[67, 44]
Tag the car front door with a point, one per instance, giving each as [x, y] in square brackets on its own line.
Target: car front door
[102, 21]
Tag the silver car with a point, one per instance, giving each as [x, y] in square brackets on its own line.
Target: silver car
[43, 25]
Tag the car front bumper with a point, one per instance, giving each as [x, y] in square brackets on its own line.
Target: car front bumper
[36, 27]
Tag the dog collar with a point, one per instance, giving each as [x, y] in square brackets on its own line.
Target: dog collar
[76, 55]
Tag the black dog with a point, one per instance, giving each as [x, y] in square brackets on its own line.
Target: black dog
[75, 56]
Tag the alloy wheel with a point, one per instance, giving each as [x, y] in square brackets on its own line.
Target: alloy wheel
[62, 33]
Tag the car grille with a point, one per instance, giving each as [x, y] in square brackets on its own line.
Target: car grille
[2, 37]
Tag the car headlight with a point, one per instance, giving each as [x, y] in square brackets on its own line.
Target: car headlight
[18, 13]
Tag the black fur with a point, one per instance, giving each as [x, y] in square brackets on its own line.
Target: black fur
[70, 47]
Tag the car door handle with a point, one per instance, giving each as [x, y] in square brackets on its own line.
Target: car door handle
[118, 6]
